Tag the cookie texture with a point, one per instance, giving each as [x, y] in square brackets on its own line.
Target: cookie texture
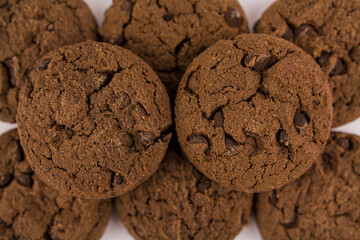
[253, 113]
[28, 30]
[29, 209]
[322, 204]
[178, 202]
[168, 34]
[93, 120]
[329, 30]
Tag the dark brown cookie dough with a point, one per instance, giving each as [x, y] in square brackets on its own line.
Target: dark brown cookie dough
[178, 202]
[29, 209]
[28, 30]
[322, 204]
[168, 34]
[93, 120]
[329, 30]
[253, 113]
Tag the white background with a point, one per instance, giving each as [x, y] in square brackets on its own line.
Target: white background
[253, 9]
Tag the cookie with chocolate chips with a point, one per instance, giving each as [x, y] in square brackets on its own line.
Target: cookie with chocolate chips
[93, 120]
[323, 204]
[178, 202]
[29, 209]
[253, 113]
[329, 30]
[168, 34]
[28, 30]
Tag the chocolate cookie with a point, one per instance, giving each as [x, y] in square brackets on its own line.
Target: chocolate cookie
[168, 34]
[93, 120]
[29, 209]
[28, 30]
[178, 202]
[253, 113]
[322, 204]
[329, 30]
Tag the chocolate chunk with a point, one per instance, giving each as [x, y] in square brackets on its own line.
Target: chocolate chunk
[168, 17]
[122, 99]
[218, 119]
[197, 139]
[203, 185]
[233, 17]
[306, 30]
[344, 143]
[144, 138]
[289, 34]
[127, 6]
[340, 67]
[116, 39]
[24, 179]
[5, 180]
[273, 199]
[283, 138]
[258, 62]
[323, 60]
[292, 223]
[327, 162]
[118, 179]
[43, 64]
[300, 120]
[230, 144]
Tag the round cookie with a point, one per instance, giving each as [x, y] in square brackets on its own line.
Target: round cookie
[253, 113]
[28, 30]
[93, 120]
[178, 202]
[168, 34]
[322, 204]
[29, 209]
[329, 30]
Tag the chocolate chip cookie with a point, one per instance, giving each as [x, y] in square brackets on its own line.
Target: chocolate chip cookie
[168, 34]
[329, 30]
[28, 30]
[29, 209]
[178, 202]
[322, 204]
[93, 120]
[253, 113]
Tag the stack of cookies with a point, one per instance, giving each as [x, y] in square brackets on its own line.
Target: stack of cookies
[188, 122]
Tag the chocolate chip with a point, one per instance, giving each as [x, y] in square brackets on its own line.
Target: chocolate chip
[127, 6]
[218, 119]
[306, 30]
[344, 143]
[122, 99]
[230, 144]
[15, 152]
[197, 139]
[168, 17]
[273, 199]
[118, 179]
[292, 223]
[300, 120]
[233, 17]
[323, 60]
[340, 67]
[258, 62]
[283, 138]
[203, 185]
[43, 64]
[5, 180]
[289, 34]
[24, 179]
[116, 39]
[144, 139]
[326, 162]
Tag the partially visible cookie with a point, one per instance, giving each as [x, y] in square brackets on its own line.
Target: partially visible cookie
[178, 202]
[329, 30]
[94, 120]
[253, 113]
[29, 209]
[28, 30]
[322, 204]
[168, 34]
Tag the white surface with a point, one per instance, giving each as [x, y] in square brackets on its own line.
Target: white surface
[253, 9]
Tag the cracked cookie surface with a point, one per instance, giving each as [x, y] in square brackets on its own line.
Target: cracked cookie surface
[178, 202]
[323, 203]
[28, 30]
[329, 30]
[253, 113]
[29, 209]
[168, 34]
[93, 120]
